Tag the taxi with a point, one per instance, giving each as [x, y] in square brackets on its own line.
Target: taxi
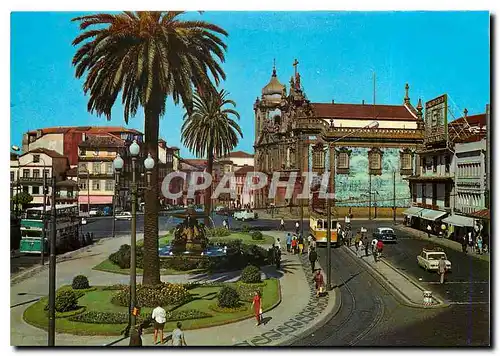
[429, 259]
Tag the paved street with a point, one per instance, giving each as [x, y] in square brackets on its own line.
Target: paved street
[370, 316]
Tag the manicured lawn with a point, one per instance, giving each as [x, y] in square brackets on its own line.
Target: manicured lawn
[162, 241]
[100, 300]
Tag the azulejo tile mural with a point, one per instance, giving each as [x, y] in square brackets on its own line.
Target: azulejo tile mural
[356, 184]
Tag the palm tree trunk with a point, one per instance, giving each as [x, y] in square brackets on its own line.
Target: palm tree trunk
[151, 260]
[208, 191]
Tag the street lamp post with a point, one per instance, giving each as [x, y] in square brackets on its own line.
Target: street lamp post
[371, 125]
[52, 268]
[149, 163]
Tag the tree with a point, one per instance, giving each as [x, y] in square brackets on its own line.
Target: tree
[147, 56]
[209, 130]
[22, 198]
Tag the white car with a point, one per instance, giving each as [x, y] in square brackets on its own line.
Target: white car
[94, 212]
[429, 259]
[124, 215]
[84, 221]
[245, 215]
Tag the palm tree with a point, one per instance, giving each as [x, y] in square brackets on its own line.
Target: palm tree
[148, 56]
[210, 131]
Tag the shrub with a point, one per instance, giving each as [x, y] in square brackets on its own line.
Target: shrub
[151, 296]
[66, 300]
[121, 257]
[257, 235]
[247, 291]
[251, 274]
[218, 232]
[188, 314]
[228, 298]
[245, 228]
[98, 317]
[80, 282]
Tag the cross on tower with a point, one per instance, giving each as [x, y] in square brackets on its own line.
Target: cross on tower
[295, 63]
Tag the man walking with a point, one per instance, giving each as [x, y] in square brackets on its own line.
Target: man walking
[297, 227]
[288, 242]
[442, 269]
[159, 316]
[282, 225]
[313, 257]
[429, 229]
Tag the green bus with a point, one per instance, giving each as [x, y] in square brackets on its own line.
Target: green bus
[67, 229]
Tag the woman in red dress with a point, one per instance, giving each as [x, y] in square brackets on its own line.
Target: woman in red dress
[318, 279]
[256, 304]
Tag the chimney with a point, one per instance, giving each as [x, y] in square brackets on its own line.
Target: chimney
[83, 136]
[333, 101]
[363, 102]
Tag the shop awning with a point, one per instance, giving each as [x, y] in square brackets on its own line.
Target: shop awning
[413, 211]
[431, 215]
[458, 220]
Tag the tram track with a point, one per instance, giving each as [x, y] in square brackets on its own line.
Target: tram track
[361, 310]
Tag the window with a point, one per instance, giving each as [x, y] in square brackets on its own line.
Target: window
[97, 168]
[406, 161]
[82, 167]
[36, 158]
[26, 173]
[434, 163]
[82, 184]
[375, 161]
[414, 192]
[343, 160]
[26, 189]
[12, 176]
[447, 164]
[36, 173]
[109, 185]
[169, 157]
[109, 167]
[35, 190]
[318, 158]
[46, 173]
[96, 184]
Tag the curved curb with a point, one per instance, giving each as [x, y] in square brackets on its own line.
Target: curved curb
[394, 291]
[332, 295]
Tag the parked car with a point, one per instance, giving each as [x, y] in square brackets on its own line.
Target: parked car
[124, 215]
[385, 234]
[429, 259]
[84, 221]
[94, 212]
[245, 215]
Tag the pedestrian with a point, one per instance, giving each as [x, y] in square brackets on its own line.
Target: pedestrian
[294, 244]
[374, 247]
[480, 245]
[178, 336]
[429, 229]
[313, 242]
[159, 316]
[442, 269]
[224, 224]
[367, 245]
[379, 247]
[297, 225]
[309, 238]
[282, 225]
[301, 244]
[360, 248]
[357, 239]
[319, 282]
[277, 257]
[471, 243]
[464, 244]
[313, 257]
[288, 242]
[278, 243]
[257, 307]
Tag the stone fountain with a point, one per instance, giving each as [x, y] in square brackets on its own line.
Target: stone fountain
[189, 236]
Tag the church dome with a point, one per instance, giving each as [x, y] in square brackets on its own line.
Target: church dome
[274, 86]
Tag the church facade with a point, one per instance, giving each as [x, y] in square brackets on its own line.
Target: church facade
[371, 148]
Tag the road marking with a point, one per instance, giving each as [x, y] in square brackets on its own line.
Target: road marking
[467, 303]
[457, 282]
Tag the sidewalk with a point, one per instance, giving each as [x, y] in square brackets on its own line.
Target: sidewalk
[400, 284]
[454, 245]
[298, 311]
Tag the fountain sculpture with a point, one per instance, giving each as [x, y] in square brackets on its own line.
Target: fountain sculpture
[189, 236]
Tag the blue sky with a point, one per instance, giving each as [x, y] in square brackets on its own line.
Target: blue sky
[435, 52]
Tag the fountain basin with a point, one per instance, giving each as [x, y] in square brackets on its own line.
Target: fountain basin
[213, 251]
